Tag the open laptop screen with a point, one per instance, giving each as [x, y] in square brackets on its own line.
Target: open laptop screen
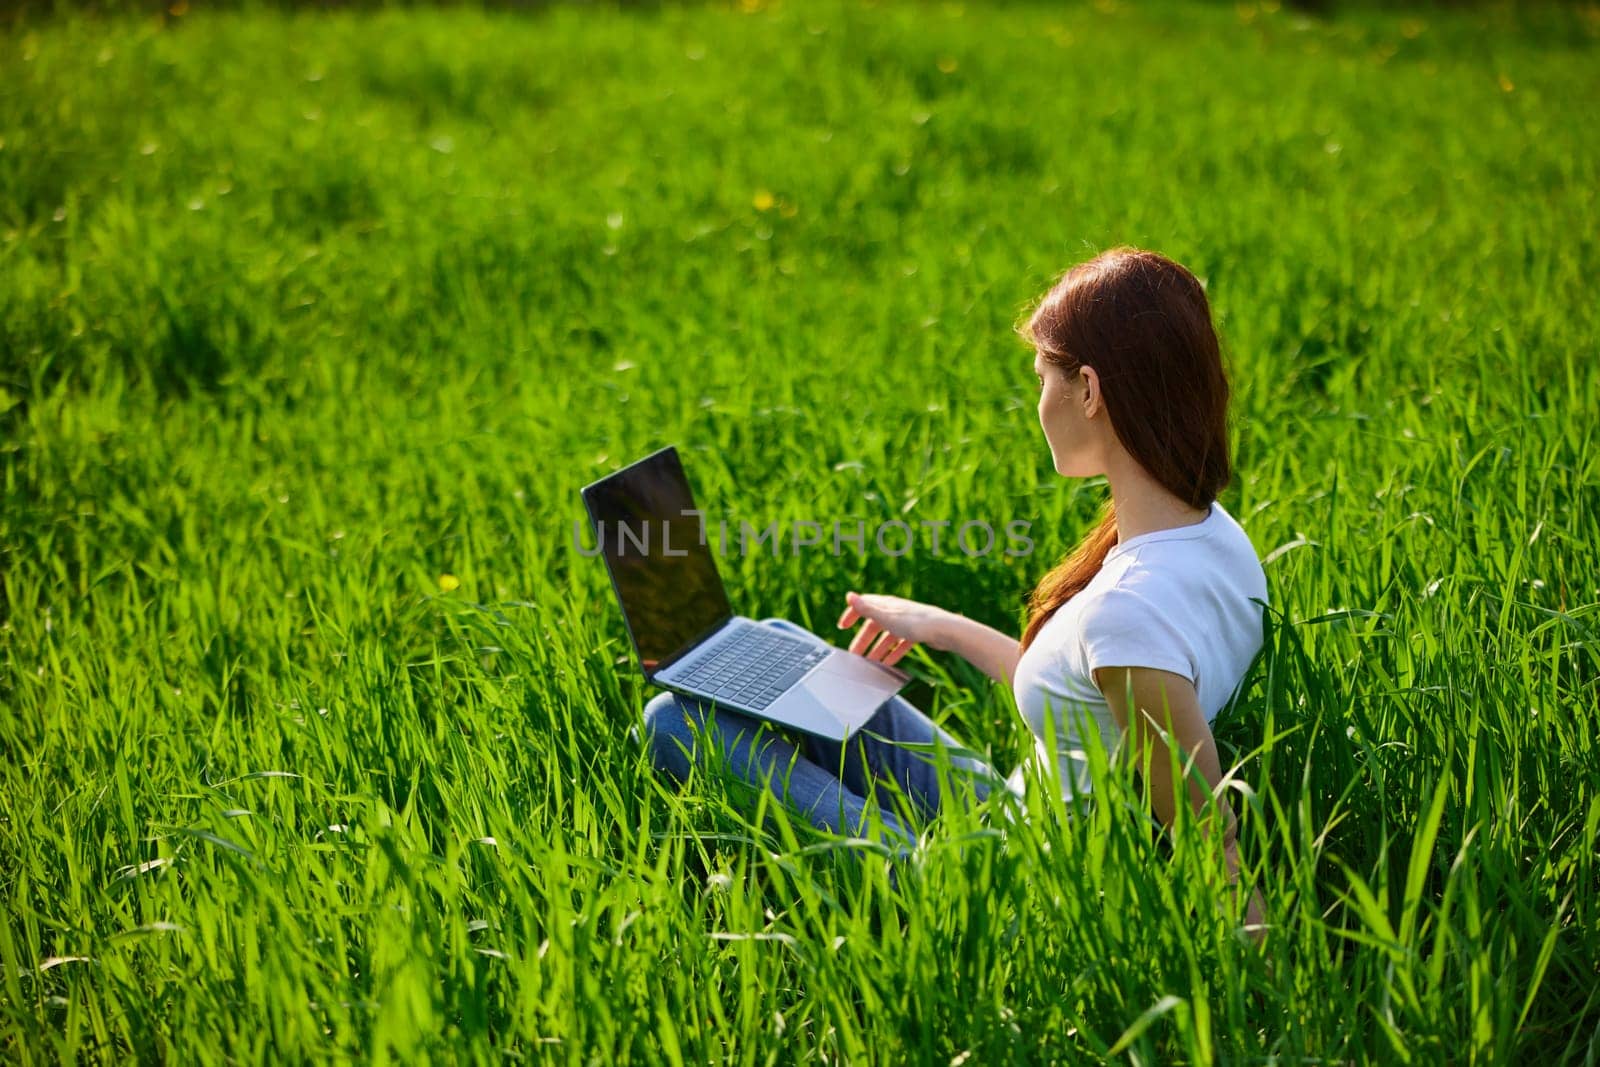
[665, 579]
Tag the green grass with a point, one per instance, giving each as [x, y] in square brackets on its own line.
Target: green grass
[301, 312]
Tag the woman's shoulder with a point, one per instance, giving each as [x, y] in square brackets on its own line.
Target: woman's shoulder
[1133, 623]
[1220, 560]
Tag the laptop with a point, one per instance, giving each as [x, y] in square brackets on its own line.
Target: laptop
[684, 632]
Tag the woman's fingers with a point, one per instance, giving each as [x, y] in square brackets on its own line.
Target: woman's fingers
[851, 612]
[851, 616]
[886, 643]
[890, 649]
[874, 640]
[864, 637]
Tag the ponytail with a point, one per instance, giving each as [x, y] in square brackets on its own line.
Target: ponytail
[1067, 578]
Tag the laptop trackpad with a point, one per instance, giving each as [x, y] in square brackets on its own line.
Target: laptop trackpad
[860, 671]
[850, 687]
[835, 699]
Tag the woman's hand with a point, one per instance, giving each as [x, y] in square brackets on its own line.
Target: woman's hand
[894, 625]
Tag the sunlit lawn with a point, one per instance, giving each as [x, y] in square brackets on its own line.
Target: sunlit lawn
[314, 727]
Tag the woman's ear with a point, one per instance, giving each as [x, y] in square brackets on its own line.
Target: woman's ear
[1090, 379]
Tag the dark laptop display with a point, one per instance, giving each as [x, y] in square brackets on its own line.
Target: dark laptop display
[667, 581]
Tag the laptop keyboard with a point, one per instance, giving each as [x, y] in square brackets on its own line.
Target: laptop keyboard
[753, 668]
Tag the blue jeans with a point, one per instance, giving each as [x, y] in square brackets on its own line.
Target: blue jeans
[829, 782]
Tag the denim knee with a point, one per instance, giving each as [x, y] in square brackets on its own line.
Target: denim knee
[666, 724]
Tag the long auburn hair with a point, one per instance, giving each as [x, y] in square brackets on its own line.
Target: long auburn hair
[1143, 323]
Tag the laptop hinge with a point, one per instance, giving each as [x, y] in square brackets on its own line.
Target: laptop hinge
[700, 639]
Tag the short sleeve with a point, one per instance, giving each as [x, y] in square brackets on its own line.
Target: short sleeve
[1121, 628]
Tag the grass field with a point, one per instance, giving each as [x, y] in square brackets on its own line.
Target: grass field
[315, 723]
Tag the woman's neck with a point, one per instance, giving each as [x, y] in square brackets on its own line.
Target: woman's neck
[1144, 505]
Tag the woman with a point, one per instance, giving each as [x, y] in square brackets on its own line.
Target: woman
[1152, 621]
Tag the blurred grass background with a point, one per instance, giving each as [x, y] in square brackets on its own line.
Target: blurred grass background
[315, 321]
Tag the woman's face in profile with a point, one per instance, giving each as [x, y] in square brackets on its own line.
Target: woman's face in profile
[1071, 433]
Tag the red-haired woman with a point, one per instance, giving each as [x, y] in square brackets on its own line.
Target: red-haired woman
[1151, 621]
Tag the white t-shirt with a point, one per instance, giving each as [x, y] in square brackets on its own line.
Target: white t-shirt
[1178, 600]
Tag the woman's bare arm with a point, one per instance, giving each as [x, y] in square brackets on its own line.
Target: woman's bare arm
[895, 624]
[1169, 701]
[986, 648]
